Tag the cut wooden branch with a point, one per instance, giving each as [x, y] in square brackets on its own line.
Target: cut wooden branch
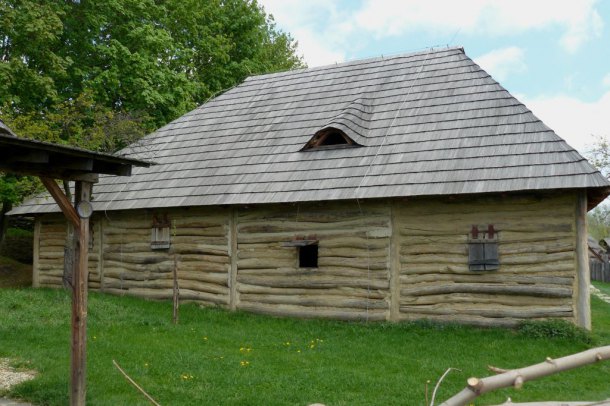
[138, 387]
[517, 377]
[497, 370]
[557, 403]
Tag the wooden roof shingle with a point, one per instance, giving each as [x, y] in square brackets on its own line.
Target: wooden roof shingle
[429, 123]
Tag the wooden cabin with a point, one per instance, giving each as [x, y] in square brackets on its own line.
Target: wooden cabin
[396, 188]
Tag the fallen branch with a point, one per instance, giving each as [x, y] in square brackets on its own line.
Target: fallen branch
[517, 377]
[559, 403]
[138, 387]
[439, 384]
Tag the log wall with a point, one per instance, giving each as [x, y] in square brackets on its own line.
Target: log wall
[199, 249]
[50, 264]
[394, 260]
[352, 280]
[536, 244]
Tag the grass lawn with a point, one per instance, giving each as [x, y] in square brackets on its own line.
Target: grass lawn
[603, 286]
[214, 357]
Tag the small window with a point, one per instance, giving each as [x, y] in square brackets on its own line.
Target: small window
[329, 138]
[159, 236]
[483, 249]
[308, 256]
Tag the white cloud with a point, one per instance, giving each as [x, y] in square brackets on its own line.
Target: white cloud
[500, 63]
[606, 80]
[572, 119]
[578, 18]
[325, 29]
[319, 27]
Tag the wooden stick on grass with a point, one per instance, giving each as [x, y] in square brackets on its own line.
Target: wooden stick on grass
[138, 387]
[517, 377]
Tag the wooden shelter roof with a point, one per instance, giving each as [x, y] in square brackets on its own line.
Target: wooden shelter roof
[39, 158]
[422, 124]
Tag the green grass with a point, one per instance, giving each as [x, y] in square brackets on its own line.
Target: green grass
[603, 286]
[290, 362]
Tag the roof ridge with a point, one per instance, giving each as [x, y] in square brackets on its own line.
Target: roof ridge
[358, 61]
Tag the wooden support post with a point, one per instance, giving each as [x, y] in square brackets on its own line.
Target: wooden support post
[394, 269]
[176, 301]
[79, 303]
[36, 254]
[582, 299]
[62, 201]
[233, 292]
[100, 252]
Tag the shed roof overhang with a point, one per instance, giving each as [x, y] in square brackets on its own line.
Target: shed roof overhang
[48, 161]
[37, 158]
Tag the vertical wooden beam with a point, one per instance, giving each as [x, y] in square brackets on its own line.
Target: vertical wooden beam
[36, 254]
[79, 302]
[233, 292]
[582, 299]
[394, 269]
[100, 252]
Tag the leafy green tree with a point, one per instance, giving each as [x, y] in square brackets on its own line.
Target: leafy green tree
[99, 74]
[161, 58]
[12, 190]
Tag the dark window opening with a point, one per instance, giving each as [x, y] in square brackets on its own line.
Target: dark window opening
[308, 256]
[334, 138]
[329, 138]
[159, 234]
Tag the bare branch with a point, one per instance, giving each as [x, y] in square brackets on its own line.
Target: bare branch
[517, 377]
[496, 370]
[138, 387]
[439, 383]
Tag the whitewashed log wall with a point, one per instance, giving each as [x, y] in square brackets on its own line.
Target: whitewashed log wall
[394, 260]
[352, 280]
[536, 247]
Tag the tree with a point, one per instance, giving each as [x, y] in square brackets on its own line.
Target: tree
[599, 154]
[134, 56]
[12, 190]
[599, 218]
[100, 74]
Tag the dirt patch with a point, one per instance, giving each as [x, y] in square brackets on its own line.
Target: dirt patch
[14, 274]
[10, 377]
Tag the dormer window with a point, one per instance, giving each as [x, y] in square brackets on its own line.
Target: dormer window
[329, 138]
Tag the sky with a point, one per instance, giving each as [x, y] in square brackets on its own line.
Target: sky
[553, 55]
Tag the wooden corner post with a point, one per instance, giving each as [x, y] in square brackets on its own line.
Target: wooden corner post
[79, 301]
[394, 268]
[233, 291]
[583, 279]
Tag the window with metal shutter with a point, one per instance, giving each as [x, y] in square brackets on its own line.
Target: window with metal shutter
[483, 249]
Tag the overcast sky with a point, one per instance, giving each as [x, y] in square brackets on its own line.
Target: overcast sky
[553, 55]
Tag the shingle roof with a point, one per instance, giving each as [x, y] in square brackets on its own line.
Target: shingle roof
[430, 123]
